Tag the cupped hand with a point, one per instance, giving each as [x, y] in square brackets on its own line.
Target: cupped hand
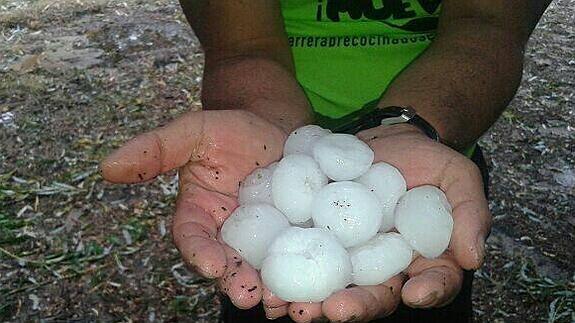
[213, 151]
[427, 283]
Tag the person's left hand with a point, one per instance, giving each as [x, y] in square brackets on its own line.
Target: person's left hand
[430, 282]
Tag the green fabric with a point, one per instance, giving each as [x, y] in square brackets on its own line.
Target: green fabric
[347, 52]
[470, 151]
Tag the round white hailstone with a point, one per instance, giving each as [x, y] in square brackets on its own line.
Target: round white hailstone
[342, 157]
[389, 185]
[349, 210]
[257, 187]
[423, 217]
[251, 229]
[306, 265]
[379, 259]
[295, 182]
[272, 167]
[301, 140]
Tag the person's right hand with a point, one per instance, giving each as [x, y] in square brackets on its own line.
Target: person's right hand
[213, 151]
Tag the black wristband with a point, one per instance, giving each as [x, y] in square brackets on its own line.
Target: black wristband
[388, 116]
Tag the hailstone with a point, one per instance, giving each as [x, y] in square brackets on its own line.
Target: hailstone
[379, 259]
[295, 227]
[342, 157]
[423, 217]
[301, 140]
[306, 265]
[389, 185]
[295, 182]
[272, 167]
[251, 229]
[349, 210]
[257, 187]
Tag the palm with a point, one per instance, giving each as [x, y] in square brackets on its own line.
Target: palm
[214, 151]
[431, 282]
[423, 161]
[232, 145]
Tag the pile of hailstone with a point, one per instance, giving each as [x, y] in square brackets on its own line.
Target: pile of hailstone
[323, 218]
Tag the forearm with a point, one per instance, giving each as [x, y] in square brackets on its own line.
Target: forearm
[463, 82]
[248, 60]
[262, 85]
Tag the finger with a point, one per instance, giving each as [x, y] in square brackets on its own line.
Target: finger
[363, 303]
[152, 153]
[433, 282]
[305, 312]
[241, 281]
[471, 216]
[218, 205]
[274, 306]
[271, 300]
[388, 295]
[273, 313]
[195, 232]
[199, 214]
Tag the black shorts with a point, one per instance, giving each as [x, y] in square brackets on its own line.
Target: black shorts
[460, 310]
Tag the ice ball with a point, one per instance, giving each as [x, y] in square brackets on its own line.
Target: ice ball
[389, 185]
[379, 259]
[306, 265]
[257, 187]
[423, 217]
[301, 140]
[251, 229]
[342, 157]
[295, 183]
[349, 210]
[272, 167]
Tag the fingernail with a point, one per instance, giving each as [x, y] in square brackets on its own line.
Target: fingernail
[268, 313]
[352, 319]
[428, 300]
[480, 249]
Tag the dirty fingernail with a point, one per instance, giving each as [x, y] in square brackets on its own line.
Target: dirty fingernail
[426, 301]
[480, 249]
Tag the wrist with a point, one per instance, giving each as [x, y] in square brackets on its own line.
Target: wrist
[281, 114]
[450, 127]
[260, 85]
[373, 116]
[404, 128]
[384, 131]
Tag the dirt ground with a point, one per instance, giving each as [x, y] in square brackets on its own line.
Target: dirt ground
[77, 78]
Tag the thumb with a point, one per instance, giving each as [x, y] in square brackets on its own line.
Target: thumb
[160, 150]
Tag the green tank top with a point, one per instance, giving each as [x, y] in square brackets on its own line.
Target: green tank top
[347, 52]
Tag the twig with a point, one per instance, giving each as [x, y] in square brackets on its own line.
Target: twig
[11, 255]
[36, 286]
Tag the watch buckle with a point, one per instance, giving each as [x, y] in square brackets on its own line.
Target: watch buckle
[407, 114]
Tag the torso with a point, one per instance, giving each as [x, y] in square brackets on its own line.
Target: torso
[347, 52]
